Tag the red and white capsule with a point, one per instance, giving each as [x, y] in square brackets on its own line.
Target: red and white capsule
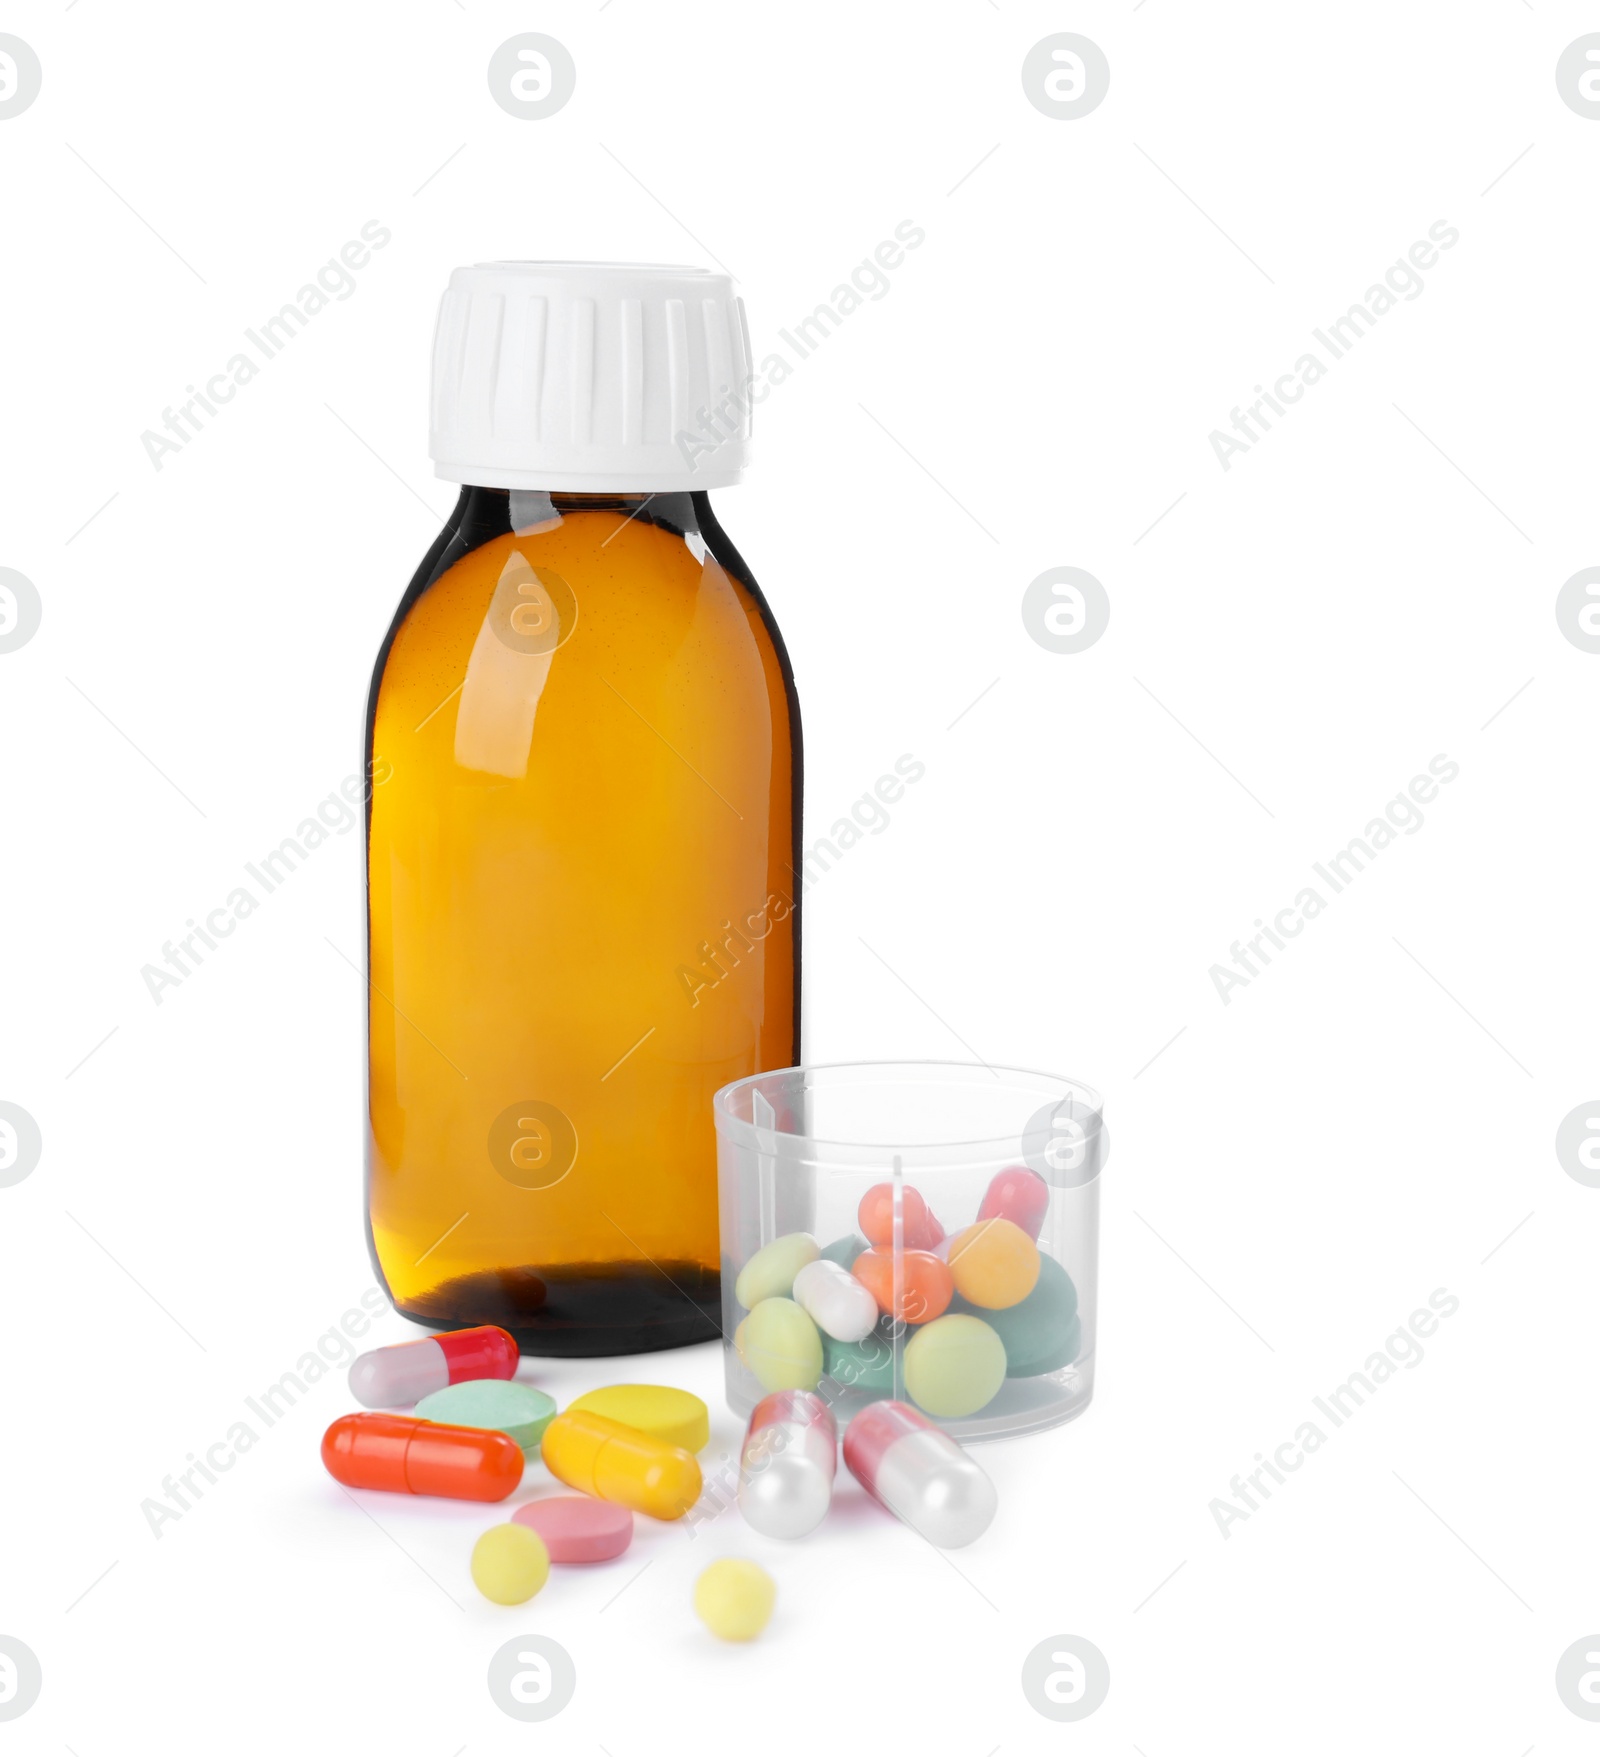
[920, 1474]
[787, 1465]
[405, 1372]
[1019, 1195]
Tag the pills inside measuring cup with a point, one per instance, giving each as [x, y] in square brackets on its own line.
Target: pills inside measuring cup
[861, 1316]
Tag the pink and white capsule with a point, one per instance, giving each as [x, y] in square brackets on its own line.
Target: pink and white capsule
[920, 1474]
[787, 1465]
[405, 1372]
[835, 1301]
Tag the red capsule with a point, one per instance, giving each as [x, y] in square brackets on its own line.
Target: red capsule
[1019, 1195]
[411, 1457]
[484, 1352]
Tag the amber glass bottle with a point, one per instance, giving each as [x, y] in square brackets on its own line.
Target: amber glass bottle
[582, 893]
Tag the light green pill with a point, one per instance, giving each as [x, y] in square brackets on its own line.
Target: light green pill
[781, 1346]
[518, 1410]
[771, 1271]
[954, 1365]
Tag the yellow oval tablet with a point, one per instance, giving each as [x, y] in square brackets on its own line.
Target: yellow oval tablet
[734, 1599]
[662, 1411]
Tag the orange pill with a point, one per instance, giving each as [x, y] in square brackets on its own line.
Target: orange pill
[919, 1230]
[925, 1284]
[411, 1457]
[994, 1263]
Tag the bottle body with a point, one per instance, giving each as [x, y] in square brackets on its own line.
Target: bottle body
[582, 914]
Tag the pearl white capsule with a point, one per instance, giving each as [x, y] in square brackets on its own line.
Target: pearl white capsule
[920, 1474]
[835, 1301]
[787, 1464]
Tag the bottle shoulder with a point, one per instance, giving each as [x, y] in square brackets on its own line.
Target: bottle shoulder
[526, 648]
[627, 592]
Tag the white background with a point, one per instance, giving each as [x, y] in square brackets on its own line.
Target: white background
[1372, 1118]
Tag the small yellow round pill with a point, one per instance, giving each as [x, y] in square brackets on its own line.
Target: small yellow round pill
[510, 1564]
[734, 1599]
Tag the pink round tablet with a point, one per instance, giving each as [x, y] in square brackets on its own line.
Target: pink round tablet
[578, 1529]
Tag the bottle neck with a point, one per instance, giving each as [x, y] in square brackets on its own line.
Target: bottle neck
[483, 513]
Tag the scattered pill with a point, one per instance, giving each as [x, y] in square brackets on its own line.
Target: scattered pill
[924, 1283]
[994, 1264]
[578, 1529]
[509, 1564]
[734, 1599]
[919, 1231]
[602, 1457]
[406, 1371]
[837, 1303]
[919, 1474]
[1042, 1333]
[954, 1366]
[787, 1463]
[662, 1411]
[411, 1457]
[520, 1410]
[844, 1251]
[782, 1346]
[1017, 1194]
[867, 1365]
[771, 1271]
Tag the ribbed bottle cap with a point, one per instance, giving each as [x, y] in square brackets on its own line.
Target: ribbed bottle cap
[590, 377]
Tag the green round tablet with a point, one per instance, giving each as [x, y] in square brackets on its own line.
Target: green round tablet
[867, 1365]
[515, 1409]
[844, 1251]
[1042, 1333]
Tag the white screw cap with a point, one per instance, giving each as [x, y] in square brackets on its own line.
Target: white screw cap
[590, 377]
